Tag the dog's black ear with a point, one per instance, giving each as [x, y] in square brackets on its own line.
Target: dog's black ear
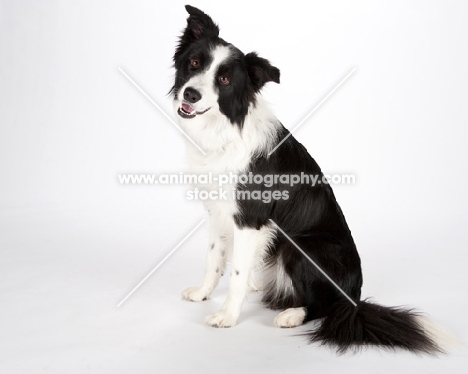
[199, 25]
[260, 71]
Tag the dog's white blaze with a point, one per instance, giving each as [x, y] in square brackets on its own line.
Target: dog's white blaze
[204, 82]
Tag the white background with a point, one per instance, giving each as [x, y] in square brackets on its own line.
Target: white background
[74, 242]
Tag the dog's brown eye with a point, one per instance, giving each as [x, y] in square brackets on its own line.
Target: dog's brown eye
[195, 63]
[223, 79]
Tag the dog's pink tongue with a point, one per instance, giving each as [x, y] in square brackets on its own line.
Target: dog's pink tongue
[188, 108]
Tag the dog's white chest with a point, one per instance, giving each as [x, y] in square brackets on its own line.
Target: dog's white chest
[220, 171]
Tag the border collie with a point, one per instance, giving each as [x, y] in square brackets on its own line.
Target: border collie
[218, 104]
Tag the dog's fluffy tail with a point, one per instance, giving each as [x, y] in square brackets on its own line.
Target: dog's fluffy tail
[347, 327]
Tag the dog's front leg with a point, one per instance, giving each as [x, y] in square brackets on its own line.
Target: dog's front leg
[218, 248]
[249, 247]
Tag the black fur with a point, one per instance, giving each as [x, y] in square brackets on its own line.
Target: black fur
[312, 218]
[260, 71]
[348, 327]
[199, 26]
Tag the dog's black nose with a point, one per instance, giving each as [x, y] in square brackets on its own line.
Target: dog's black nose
[192, 95]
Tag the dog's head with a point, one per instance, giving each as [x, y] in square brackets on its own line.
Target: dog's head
[212, 76]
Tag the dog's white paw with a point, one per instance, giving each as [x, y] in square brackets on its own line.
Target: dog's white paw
[291, 317]
[195, 294]
[221, 319]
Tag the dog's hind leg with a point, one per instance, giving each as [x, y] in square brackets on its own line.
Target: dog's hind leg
[291, 317]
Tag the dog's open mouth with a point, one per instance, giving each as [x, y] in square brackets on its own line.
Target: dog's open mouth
[188, 111]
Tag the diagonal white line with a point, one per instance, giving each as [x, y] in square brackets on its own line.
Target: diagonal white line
[162, 111]
[315, 264]
[313, 110]
[161, 262]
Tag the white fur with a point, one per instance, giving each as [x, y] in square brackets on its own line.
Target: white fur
[445, 339]
[291, 317]
[220, 244]
[276, 278]
[250, 246]
[228, 149]
[256, 282]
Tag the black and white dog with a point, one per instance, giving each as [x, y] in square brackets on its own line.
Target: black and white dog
[218, 104]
